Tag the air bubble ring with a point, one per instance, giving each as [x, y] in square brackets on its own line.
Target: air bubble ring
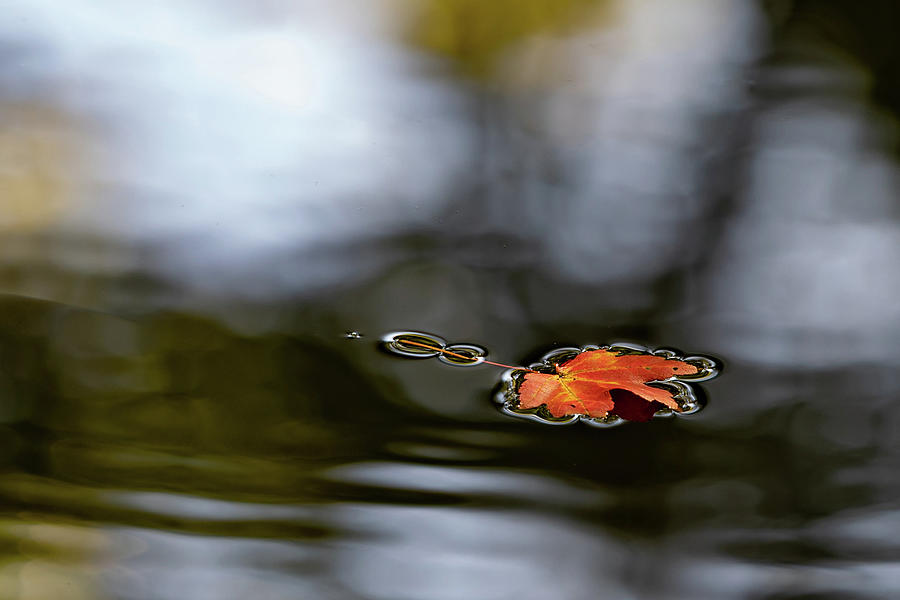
[417, 344]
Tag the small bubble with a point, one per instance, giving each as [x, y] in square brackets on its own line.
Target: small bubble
[413, 344]
[628, 348]
[604, 422]
[559, 355]
[353, 335]
[463, 355]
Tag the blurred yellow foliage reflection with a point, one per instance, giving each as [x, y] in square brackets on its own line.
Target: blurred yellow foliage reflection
[474, 33]
[37, 156]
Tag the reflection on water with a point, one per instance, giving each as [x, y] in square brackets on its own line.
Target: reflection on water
[208, 214]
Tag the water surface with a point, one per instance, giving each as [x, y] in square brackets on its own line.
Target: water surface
[200, 205]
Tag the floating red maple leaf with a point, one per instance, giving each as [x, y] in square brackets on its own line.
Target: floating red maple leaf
[599, 386]
[597, 383]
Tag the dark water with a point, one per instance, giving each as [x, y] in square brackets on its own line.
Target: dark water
[198, 203]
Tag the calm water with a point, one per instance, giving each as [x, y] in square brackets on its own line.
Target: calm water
[198, 203]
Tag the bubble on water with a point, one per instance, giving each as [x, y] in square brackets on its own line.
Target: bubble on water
[413, 344]
[605, 422]
[627, 348]
[665, 353]
[541, 415]
[559, 355]
[707, 368]
[687, 397]
[353, 335]
[463, 355]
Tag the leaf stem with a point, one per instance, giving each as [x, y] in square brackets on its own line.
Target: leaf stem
[462, 356]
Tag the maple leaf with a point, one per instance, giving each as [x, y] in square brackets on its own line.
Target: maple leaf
[596, 383]
[600, 386]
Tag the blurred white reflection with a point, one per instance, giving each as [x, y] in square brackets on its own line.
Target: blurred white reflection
[631, 116]
[172, 566]
[715, 579]
[861, 531]
[237, 137]
[454, 553]
[468, 480]
[807, 275]
[208, 509]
